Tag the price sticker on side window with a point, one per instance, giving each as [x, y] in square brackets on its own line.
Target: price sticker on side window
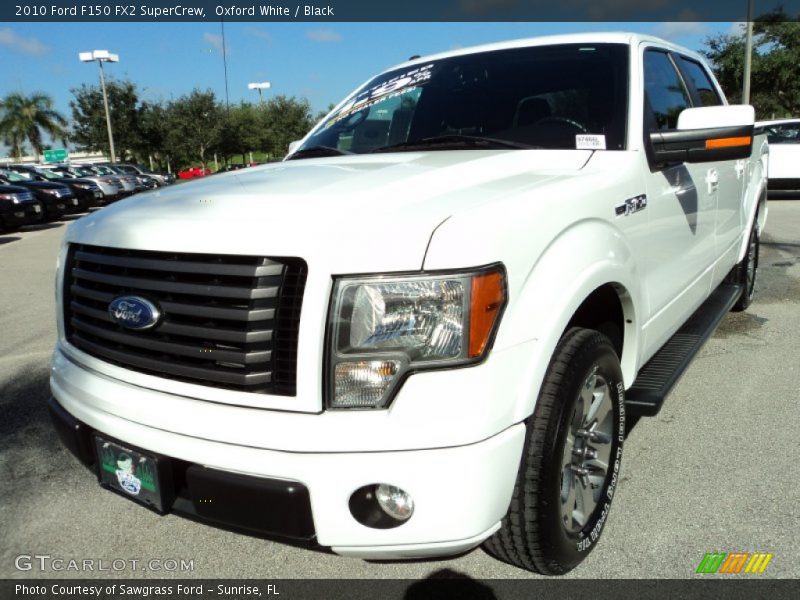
[590, 142]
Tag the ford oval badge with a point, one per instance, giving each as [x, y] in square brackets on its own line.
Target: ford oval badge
[133, 312]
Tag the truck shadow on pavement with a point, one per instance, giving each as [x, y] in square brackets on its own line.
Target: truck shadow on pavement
[5, 239]
[447, 583]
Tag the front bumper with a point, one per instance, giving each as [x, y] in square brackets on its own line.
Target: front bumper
[88, 197]
[460, 493]
[219, 497]
[27, 213]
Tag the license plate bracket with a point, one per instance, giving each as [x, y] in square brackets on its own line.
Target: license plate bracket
[139, 475]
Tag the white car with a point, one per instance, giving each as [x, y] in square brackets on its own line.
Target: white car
[424, 329]
[783, 136]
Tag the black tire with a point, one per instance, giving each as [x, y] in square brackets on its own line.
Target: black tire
[746, 271]
[536, 534]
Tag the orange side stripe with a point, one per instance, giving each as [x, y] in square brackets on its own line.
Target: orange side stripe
[728, 142]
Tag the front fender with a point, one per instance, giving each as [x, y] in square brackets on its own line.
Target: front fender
[755, 194]
[558, 283]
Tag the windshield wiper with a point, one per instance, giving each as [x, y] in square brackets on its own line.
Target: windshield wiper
[449, 141]
[317, 151]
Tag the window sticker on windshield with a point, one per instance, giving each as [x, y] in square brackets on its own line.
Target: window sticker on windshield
[590, 142]
[397, 85]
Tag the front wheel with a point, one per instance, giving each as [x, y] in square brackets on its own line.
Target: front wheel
[746, 271]
[570, 462]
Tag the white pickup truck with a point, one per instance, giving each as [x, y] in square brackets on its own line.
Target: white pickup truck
[423, 330]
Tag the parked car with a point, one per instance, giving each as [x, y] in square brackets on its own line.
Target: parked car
[87, 192]
[425, 329]
[160, 178]
[143, 182]
[110, 186]
[56, 198]
[193, 172]
[784, 157]
[18, 207]
[129, 184]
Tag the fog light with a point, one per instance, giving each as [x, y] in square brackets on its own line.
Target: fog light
[395, 502]
[381, 506]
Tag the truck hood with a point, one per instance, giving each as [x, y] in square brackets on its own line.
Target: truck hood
[41, 185]
[356, 213]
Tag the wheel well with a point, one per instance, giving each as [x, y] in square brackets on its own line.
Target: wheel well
[602, 311]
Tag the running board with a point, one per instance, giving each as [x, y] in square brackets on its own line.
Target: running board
[657, 378]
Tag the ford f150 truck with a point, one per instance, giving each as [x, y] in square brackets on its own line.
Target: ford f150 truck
[423, 330]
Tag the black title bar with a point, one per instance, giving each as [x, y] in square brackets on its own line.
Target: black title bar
[391, 10]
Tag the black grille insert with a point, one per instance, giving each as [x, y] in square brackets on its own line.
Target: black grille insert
[227, 321]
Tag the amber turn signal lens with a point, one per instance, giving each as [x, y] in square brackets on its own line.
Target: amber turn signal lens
[488, 297]
[731, 142]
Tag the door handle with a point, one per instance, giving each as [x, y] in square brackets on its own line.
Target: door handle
[712, 179]
[740, 167]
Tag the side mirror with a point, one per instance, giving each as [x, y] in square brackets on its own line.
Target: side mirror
[293, 145]
[706, 134]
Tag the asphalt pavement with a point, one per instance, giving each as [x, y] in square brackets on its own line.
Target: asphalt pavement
[715, 471]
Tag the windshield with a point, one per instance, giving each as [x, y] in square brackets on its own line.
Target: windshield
[11, 176]
[558, 97]
[47, 174]
[25, 175]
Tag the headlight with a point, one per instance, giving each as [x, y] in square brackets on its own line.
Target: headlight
[84, 186]
[10, 197]
[381, 328]
[52, 192]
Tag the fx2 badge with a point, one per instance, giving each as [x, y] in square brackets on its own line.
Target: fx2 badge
[631, 205]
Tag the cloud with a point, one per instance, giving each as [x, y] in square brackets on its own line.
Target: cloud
[30, 46]
[323, 35]
[676, 29]
[738, 28]
[259, 33]
[215, 41]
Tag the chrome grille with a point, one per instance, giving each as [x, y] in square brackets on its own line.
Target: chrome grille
[227, 321]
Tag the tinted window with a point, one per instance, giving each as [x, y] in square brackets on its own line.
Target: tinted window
[702, 82]
[540, 96]
[665, 94]
[788, 133]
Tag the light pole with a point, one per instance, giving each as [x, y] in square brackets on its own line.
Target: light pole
[102, 56]
[264, 85]
[748, 54]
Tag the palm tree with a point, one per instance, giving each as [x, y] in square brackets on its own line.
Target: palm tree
[26, 118]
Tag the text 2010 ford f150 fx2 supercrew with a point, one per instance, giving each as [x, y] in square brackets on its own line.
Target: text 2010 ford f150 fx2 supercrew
[422, 331]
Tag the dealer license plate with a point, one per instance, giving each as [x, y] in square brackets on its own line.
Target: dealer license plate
[37, 209]
[98, 194]
[132, 473]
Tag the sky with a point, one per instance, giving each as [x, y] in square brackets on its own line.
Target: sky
[322, 62]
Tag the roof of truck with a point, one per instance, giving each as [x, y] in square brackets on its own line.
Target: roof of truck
[608, 37]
